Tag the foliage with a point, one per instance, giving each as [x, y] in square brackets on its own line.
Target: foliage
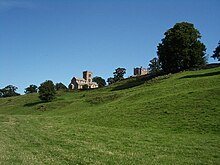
[47, 91]
[154, 65]
[100, 81]
[31, 89]
[85, 87]
[9, 91]
[119, 74]
[110, 80]
[60, 86]
[217, 52]
[181, 49]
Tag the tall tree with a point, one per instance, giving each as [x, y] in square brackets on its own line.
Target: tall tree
[9, 91]
[181, 48]
[217, 52]
[100, 81]
[31, 89]
[154, 65]
[47, 91]
[119, 74]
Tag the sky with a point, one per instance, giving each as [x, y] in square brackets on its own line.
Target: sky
[58, 39]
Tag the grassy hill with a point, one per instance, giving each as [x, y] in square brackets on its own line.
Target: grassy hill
[173, 119]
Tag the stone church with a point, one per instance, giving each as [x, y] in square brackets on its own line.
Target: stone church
[78, 83]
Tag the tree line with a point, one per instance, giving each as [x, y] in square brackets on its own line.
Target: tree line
[179, 50]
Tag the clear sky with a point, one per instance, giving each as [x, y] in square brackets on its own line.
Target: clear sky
[58, 39]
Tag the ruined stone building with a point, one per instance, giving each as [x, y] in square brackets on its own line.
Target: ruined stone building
[78, 83]
[140, 71]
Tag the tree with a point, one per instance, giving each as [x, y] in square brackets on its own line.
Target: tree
[100, 81]
[181, 49]
[110, 80]
[217, 52]
[154, 65]
[9, 91]
[85, 87]
[119, 74]
[31, 89]
[60, 86]
[47, 91]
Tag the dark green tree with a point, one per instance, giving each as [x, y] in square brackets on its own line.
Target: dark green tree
[181, 48]
[60, 86]
[9, 91]
[31, 89]
[100, 81]
[154, 66]
[217, 52]
[47, 91]
[110, 80]
[85, 87]
[119, 74]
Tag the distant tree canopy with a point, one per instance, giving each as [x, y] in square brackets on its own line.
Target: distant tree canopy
[217, 52]
[110, 80]
[9, 91]
[85, 87]
[31, 89]
[154, 66]
[100, 81]
[181, 49]
[47, 91]
[119, 74]
[60, 86]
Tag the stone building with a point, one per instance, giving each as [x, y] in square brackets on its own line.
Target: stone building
[78, 83]
[140, 71]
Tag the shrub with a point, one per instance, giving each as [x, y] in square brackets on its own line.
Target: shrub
[47, 91]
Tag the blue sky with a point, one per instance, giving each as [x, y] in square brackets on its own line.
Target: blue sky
[58, 39]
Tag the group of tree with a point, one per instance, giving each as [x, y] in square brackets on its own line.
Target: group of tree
[181, 49]
[100, 81]
[9, 91]
[34, 89]
[118, 75]
[31, 89]
[47, 90]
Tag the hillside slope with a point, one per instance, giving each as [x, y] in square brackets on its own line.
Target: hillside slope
[172, 119]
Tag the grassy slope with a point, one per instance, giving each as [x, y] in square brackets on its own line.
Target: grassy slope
[167, 121]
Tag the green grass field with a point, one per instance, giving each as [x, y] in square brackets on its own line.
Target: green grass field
[173, 119]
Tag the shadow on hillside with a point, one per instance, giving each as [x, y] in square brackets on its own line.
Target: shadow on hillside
[201, 75]
[136, 81]
[129, 84]
[33, 104]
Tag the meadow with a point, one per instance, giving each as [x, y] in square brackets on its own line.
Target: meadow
[172, 119]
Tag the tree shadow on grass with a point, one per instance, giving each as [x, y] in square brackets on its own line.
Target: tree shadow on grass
[201, 75]
[135, 81]
[33, 104]
[128, 85]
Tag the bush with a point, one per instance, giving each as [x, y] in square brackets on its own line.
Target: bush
[85, 87]
[47, 91]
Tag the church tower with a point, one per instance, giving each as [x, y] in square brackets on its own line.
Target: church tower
[87, 75]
